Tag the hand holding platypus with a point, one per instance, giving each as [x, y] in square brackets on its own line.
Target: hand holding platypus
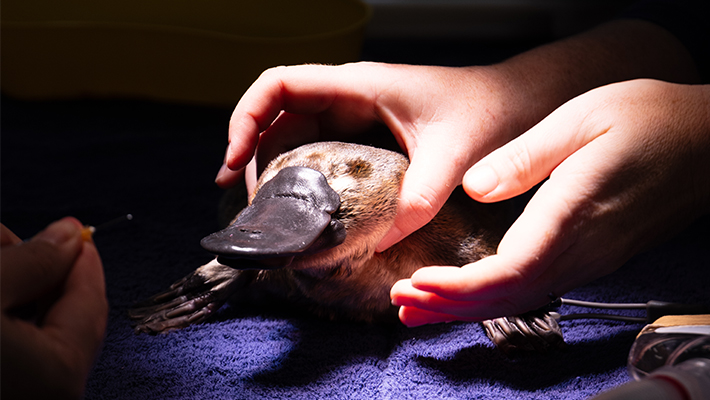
[584, 223]
[626, 161]
[627, 169]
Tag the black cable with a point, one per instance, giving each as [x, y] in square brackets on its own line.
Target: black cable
[654, 310]
[592, 304]
[567, 317]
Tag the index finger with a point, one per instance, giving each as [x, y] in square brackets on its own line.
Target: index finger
[304, 89]
[8, 237]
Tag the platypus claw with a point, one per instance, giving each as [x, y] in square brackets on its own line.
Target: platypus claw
[188, 301]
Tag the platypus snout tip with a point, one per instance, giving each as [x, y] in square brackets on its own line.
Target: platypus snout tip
[290, 215]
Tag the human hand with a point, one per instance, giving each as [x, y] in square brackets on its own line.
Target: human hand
[58, 278]
[628, 165]
[445, 119]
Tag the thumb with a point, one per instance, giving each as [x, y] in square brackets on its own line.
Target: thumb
[431, 177]
[525, 161]
[32, 268]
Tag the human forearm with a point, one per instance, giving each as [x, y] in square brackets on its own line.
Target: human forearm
[540, 80]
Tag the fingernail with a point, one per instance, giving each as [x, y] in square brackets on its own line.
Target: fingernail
[481, 180]
[392, 237]
[221, 172]
[60, 232]
[228, 154]
[395, 301]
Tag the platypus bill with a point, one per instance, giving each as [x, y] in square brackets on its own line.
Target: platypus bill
[308, 237]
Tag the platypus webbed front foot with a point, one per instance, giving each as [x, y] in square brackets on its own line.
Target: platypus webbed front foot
[190, 300]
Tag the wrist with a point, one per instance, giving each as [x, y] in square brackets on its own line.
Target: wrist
[535, 83]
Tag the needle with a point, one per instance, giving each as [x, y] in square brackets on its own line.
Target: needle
[88, 231]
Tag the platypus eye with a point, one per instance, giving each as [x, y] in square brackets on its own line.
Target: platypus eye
[359, 168]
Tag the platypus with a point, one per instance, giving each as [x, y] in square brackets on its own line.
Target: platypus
[308, 236]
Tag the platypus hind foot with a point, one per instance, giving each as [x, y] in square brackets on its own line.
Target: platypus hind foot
[532, 332]
[190, 300]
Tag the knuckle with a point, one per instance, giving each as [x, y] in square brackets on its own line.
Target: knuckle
[516, 282]
[273, 72]
[519, 158]
[421, 206]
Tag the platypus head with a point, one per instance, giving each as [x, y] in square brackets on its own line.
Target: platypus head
[320, 206]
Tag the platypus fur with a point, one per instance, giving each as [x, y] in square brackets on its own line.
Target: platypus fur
[273, 252]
